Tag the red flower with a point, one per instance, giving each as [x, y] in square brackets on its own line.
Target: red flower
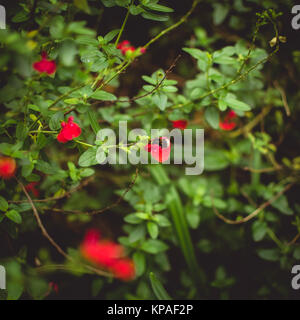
[160, 149]
[107, 254]
[124, 46]
[128, 49]
[180, 124]
[31, 187]
[53, 286]
[69, 131]
[228, 123]
[124, 269]
[45, 65]
[7, 167]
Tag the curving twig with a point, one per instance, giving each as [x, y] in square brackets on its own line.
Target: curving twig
[51, 240]
[66, 194]
[111, 206]
[255, 212]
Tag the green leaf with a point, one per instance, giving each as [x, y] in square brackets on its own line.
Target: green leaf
[296, 253]
[103, 95]
[67, 52]
[152, 229]
[94, 121]
[158, 289]
[282, 205]
[21, 131]
[158, 7]
[88, 158]
[160, 100]
[204, 58]
[212, 117]
[236, 104]
[55, 121]
[14, 216]
[82, 5]
[162, 220]
[139, 262]
[259, 230]
[220, 13]
[155, 17]
[3, 204]
[45, 167]
[132, 218]
[111, 35]
[269, 254]
[138, 233]
[154, 246]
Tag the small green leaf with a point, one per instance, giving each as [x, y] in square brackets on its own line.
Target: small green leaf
[103, 95]
[139, 262]
[269, 254]
[88, 158]
[14, 216]
[259, 230]
[158, 7]
[3, 204]
[158, 289]
[236, 104]
[212, 117]
[94, 121]
[55, 121]
[154, 246]
[152, 229]
[21, 131]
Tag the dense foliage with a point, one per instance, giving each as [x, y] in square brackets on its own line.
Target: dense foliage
[71, 68]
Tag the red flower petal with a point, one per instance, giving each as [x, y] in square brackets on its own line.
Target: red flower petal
[124, 269]
[180, 124]
[160, 149]
[69, 131]
[227, 126]
[45, 65]
[31, 188]
[7, 167]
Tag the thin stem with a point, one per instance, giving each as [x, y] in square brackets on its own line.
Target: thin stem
[181, 21]
[42, 131]
[84, 144]
[123, 26]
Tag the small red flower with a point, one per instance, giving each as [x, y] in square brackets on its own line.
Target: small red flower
[228, 123]
[31, 188]
[53, 286]
[8, 167]
[125, 46]
[45, 65]
[69, 131]
[180, 124]
[160, 149]
[128, 50]
[107, 254]
[124, 269]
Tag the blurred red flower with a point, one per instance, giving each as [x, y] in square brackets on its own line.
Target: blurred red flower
[69, 131]
[45, 65]
[107, 254]
[53, 286]
[228, 123]
[125, 47]
[8, 167]
[160, 149]
[180, 124]
[124, 269]
[31, 187]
